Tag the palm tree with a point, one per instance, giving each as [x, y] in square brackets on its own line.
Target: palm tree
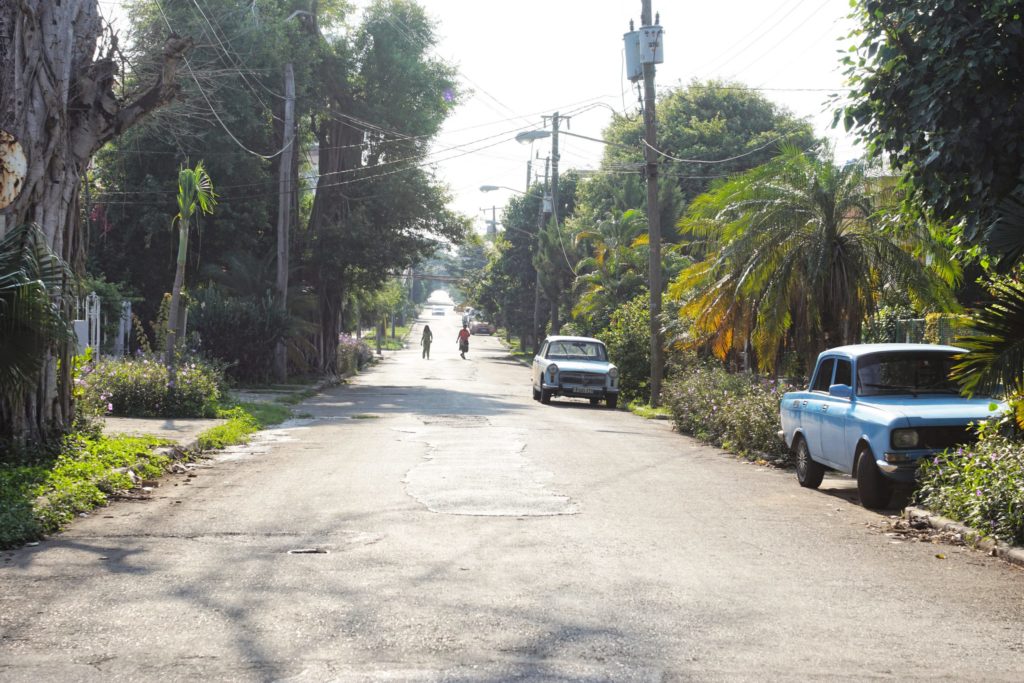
[615, 272]
[195, 192]
[996, 343]
[33, 280]
[796, 255]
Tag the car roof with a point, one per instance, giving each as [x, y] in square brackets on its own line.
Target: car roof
[858, 350]
[560, 337]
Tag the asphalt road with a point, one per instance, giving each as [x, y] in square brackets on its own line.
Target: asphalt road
[463, 532]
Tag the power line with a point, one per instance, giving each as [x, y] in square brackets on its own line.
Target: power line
[202, 92]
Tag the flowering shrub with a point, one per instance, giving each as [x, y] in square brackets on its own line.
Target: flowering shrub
[139, 387]
[981, 485]
[353, 354]
[737, 412]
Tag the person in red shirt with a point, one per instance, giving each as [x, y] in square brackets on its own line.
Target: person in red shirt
[463, 341]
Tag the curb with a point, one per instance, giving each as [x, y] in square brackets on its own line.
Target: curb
[973, 537]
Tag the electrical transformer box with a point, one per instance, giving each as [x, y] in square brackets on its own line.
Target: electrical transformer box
[643, 47]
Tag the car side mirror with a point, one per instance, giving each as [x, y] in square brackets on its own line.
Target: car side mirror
[840, 391]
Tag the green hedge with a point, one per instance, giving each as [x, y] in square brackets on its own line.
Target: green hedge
[737, 412]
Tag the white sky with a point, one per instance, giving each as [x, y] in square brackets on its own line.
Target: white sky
[527, 58]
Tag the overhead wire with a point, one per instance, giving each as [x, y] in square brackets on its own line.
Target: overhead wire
[213, 110]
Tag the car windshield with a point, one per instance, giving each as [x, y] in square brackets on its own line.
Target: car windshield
[906, 373]
[576, 350]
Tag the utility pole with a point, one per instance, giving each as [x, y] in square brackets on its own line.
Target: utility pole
[554, 167]
[653, 212]
[536, 285]
[284, 212]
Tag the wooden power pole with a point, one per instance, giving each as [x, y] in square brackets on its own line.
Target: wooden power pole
[653, 210]
[284, 212]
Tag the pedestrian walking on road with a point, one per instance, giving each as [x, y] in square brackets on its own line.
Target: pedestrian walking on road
[425, 340]
[463, 341]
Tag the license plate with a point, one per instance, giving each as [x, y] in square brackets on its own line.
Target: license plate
[585, 390]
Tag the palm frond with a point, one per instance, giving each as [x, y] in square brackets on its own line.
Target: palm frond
[996, 343]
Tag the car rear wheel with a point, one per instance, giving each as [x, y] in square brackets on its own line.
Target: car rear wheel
[808, 472]
[613, 401]
[872, 486]
[545, 396]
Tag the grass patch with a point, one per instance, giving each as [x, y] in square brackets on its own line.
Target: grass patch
[645, 411]
[267, 414]
[365, 416]
[42, 494]
[239, 426]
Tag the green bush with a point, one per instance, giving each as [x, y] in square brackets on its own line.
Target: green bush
[737, 412]
[241, 332]
[981, 485]
[139, 387]
[628, 338]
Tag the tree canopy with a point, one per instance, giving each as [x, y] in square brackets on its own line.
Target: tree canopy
[938, 88]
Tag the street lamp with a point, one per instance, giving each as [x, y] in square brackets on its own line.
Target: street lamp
[531, 135]
[493, 188]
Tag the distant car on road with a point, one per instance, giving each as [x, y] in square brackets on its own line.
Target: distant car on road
[437, 311]
[873, 411]
[480, 327]
[575, 366]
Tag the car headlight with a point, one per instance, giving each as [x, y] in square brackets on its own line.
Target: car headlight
[613, 373]
[552, 373]
[905, 438]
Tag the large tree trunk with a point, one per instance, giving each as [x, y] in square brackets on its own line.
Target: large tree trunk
[57, 98]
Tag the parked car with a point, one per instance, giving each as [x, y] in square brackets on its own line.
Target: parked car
[874, 410]
[575, 366]
[480, 327]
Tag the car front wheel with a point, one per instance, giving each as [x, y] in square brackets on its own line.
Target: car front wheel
[872, 486]
[545, 396]
[808, 472]
[613, 401]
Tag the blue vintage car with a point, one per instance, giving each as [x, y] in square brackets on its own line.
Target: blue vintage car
[874, 410]
[575, 366]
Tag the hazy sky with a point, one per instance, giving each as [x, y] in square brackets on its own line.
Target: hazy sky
[522, 59]
[532, 57]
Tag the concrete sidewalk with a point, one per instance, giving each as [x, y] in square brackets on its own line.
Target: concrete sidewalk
[184, 432]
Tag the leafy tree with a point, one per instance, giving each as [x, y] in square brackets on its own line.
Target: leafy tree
[937, 88]
[628, 337]
[996, 343]
[703, 121]
[796, 255]
[51, 56]
[376, 211]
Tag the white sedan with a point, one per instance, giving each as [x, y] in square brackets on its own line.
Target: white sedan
[575, 366]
